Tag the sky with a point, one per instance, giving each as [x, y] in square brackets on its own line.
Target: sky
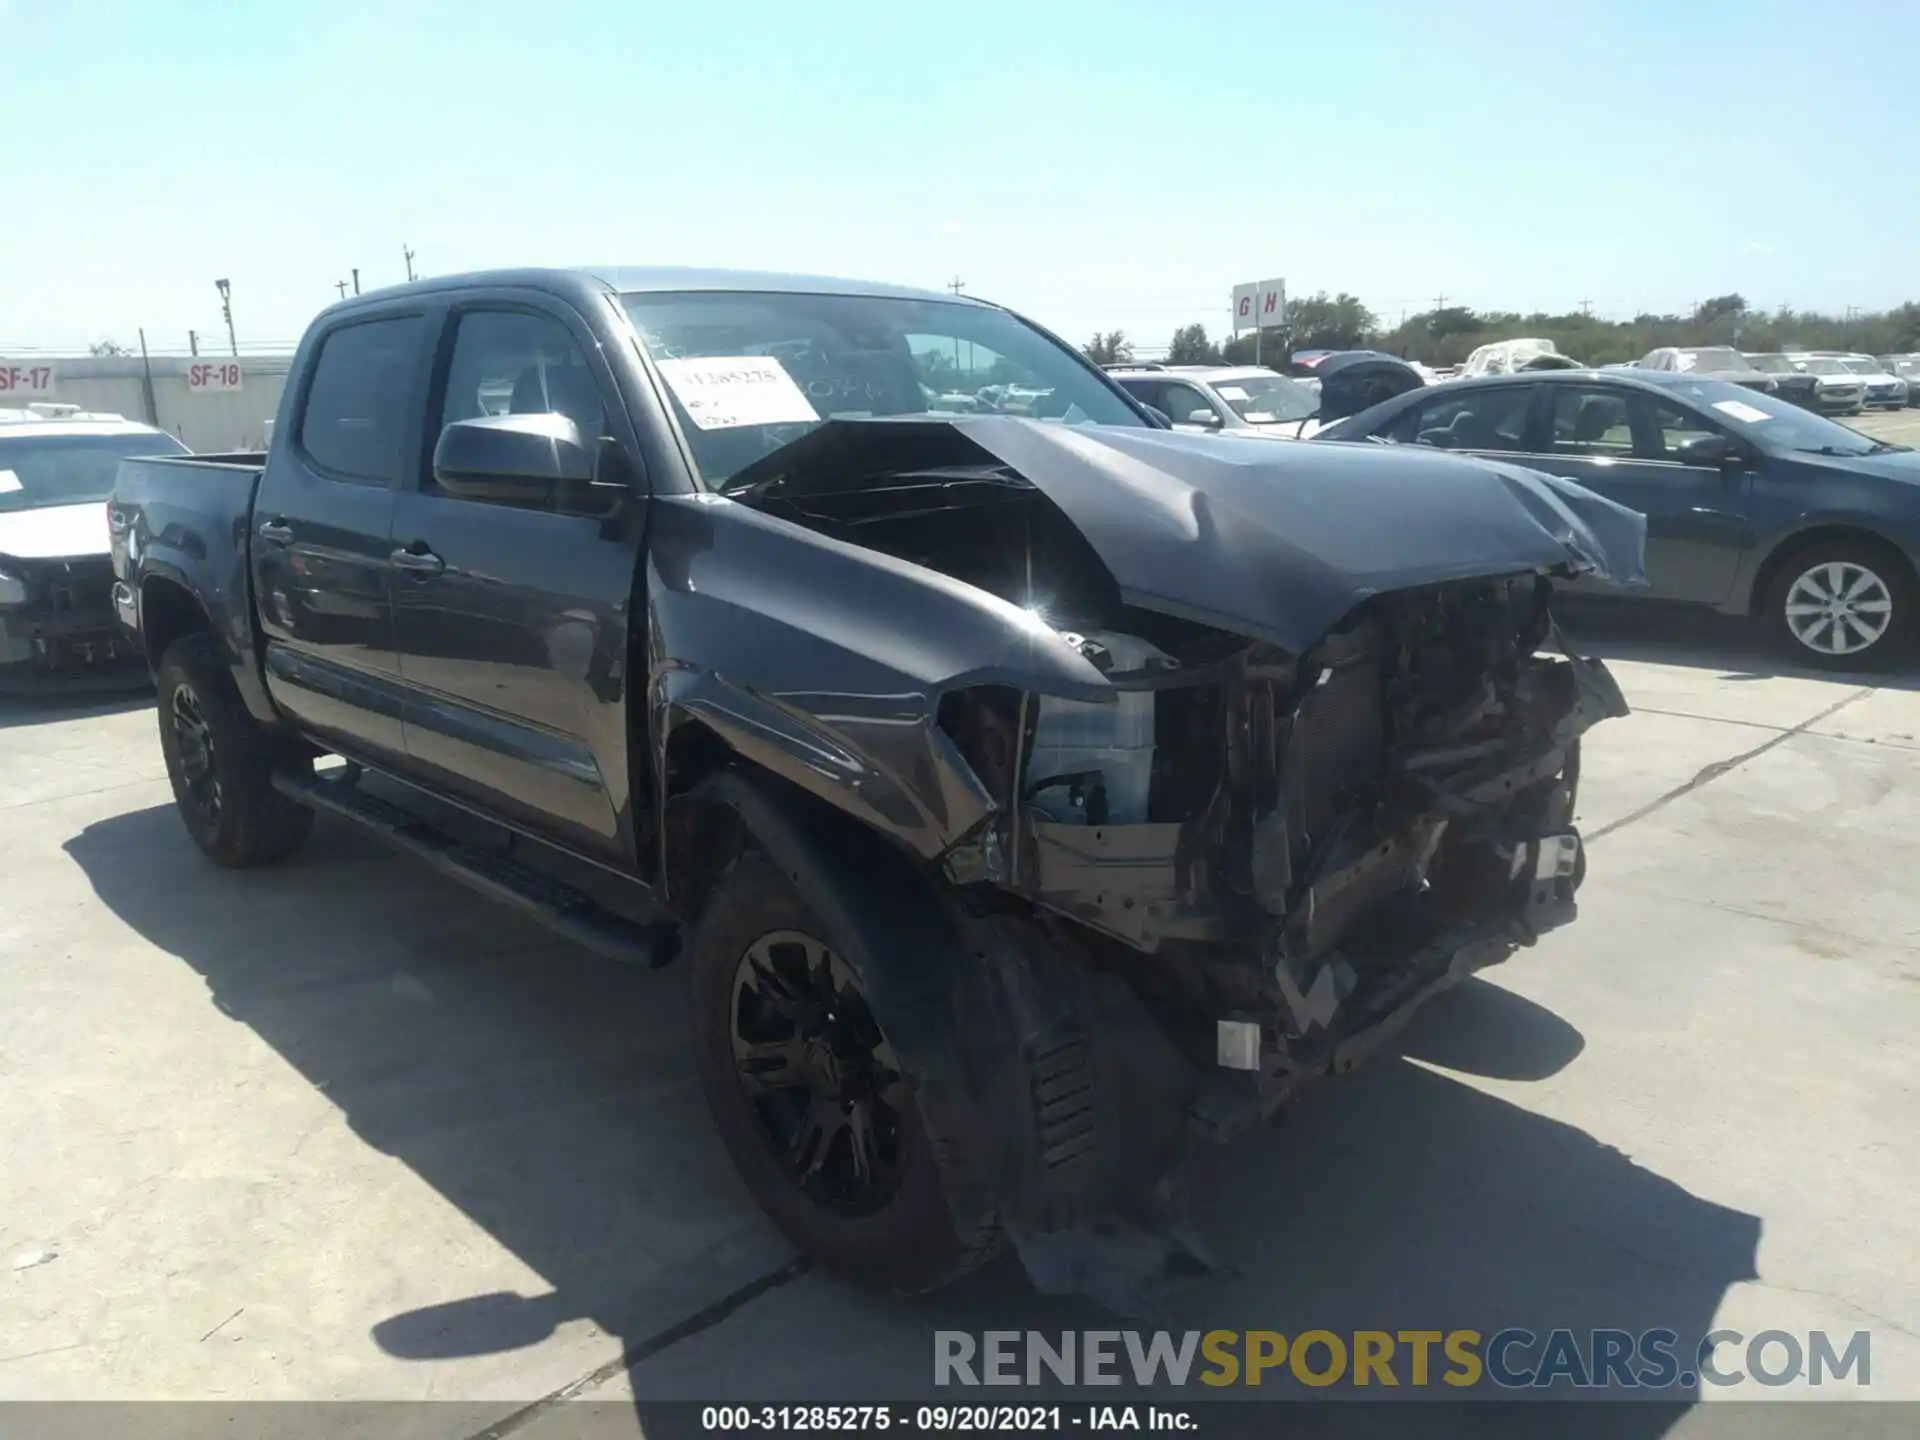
[1096, 164]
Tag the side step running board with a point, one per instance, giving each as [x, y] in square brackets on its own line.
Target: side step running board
[554, 903]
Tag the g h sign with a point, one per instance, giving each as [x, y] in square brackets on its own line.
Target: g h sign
[1260, 307]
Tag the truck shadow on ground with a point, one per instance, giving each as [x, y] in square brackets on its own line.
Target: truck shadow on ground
[1702, 640]
[16, 710]
[550, 1097]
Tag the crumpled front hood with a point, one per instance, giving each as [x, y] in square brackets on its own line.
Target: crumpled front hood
[1280, 541]
[55, 532]
[1273, 541]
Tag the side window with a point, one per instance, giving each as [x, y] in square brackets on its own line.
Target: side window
[508, 362]
[1183, 400]
[1590, 421]
[512, 362]
[1494, 418]
[358, 414]
[1674, 427]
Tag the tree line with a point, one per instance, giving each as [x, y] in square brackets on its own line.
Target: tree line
[1448, 335]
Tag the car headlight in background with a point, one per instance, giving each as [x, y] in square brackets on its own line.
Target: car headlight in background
[13, 590]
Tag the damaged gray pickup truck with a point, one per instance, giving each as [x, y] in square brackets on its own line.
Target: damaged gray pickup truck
[1031, 792]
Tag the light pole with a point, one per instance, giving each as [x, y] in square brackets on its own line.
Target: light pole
[226, 310]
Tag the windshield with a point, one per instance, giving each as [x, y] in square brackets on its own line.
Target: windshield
[1777, 423]
[1862, 367]
[1713, 359]
[41, 470]
[1821, 365]
[751, 371]
[1906, 366]
[1267, 399]
[1772, 364]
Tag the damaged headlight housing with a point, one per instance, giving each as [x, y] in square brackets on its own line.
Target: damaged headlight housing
[13, 590]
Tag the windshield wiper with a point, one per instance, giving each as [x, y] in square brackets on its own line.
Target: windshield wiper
[1831, 450]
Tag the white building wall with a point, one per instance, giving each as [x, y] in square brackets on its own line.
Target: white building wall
[204, 420]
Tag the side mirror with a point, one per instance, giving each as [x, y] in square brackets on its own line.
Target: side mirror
[1710, 451]
[521, 459]
[1203, 417]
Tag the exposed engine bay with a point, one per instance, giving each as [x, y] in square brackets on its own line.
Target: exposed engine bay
[1280, 852]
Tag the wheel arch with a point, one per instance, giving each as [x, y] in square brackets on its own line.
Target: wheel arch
[169, 610]
[1767, 573]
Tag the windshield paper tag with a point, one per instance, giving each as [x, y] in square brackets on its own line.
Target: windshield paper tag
[1740, 410]
[724, 392]
[9, 482]
[1231, 392]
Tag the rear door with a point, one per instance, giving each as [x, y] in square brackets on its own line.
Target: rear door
[1623, 442]
[512, 619]
[322, 520]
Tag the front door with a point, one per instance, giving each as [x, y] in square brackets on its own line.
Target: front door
[1623, 443]
[512, 620]
[320, 544]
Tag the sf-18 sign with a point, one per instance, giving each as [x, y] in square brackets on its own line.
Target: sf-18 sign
[25, 380]
[1260, 307]
[213, 375]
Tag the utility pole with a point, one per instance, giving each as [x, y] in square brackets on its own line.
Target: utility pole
[408, 252]
[1440, 302]
[956, 285]
[356, 279]
[1586, 308]
[226, 310]
[341, 286]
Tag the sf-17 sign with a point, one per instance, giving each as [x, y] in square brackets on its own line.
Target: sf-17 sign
[25, 380]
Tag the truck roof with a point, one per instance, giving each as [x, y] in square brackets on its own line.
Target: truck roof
[654, 279]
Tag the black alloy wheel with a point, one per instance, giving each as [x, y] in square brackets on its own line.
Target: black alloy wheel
[820, 1076]
[194, 743]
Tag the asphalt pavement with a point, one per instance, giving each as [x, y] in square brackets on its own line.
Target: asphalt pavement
[340, 1131]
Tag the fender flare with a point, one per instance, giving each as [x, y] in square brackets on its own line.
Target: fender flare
[1046, 1089]
[889, 923]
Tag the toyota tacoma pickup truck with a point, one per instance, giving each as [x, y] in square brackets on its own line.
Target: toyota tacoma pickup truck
[1030, 798]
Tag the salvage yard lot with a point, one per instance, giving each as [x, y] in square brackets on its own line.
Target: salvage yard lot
[339, 1130]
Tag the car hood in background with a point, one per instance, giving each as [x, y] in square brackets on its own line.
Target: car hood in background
[1354, 380]
[1273, 541]
[55, 532]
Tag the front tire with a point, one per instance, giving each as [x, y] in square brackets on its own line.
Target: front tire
[1843, 605]
[220, 762]
[815, 1107]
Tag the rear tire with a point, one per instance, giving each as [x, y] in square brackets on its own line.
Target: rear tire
[221, 762]
[1843, 605]
[898, 1232]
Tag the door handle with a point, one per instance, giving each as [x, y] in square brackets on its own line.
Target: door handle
[276, 532]
[418, 560]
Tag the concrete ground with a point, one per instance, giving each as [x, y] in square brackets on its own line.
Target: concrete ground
[339, 1130]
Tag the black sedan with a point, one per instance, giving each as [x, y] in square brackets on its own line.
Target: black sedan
[1753, 505]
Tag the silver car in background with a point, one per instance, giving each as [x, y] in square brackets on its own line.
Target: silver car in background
[1842, 391]
[1907, 368]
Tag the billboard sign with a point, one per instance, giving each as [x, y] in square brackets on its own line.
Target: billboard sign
[1261, 306]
